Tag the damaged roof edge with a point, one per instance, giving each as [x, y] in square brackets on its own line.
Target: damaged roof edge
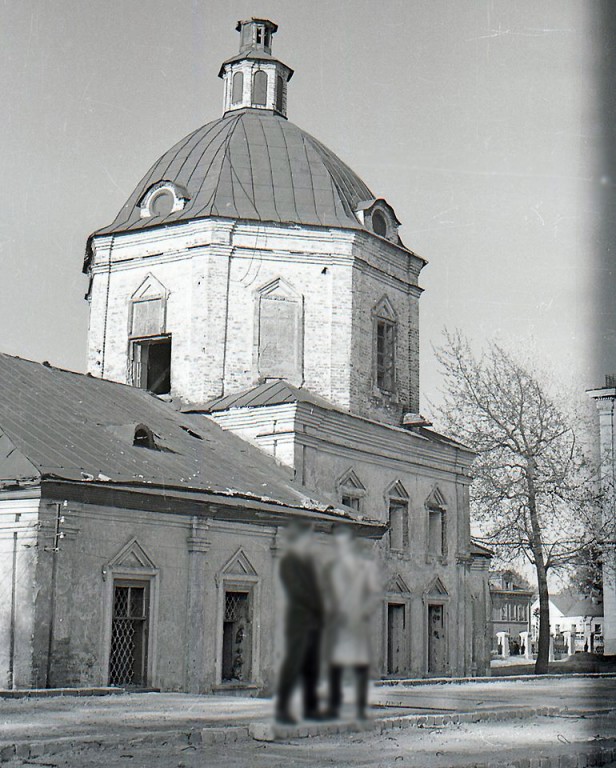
[229, 500]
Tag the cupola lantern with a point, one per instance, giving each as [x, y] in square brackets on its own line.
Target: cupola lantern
[253, 78]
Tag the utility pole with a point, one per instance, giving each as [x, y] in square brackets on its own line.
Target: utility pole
[55, 549]
[13, 608]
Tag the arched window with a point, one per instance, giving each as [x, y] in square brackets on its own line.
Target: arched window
[259, 88]
[379, 224]
[238, 88]
[279, 93]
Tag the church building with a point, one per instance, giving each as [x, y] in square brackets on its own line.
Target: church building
[254, 292]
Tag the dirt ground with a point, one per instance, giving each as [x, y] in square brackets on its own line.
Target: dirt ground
[446, 747]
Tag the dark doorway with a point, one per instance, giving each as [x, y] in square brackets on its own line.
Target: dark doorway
[437, 661]
[129, 634]
[396, 638]
[152, 365]
[236, 638]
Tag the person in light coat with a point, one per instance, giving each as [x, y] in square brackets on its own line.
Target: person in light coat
[351, 592]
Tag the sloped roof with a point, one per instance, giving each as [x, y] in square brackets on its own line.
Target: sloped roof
[480, 550]
[276, 392]
[279, 392]
[71, 426]
[576, 605]
[252, 164]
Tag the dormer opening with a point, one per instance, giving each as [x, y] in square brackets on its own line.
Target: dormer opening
[144, 438]
[379, 224]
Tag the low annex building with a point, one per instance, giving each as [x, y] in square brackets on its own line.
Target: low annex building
[260, 292]
[137, 540]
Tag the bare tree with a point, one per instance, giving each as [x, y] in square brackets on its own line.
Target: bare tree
[534, 493]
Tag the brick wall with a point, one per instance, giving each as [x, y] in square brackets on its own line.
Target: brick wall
[213, 271]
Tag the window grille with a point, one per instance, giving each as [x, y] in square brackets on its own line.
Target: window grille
[127, 659]
[235, 605]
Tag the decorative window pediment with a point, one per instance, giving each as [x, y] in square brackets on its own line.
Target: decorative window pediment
[351, 490]
[436, 590]
[351, 482]
[239, 565]
[396, 491]
[131, 558]
[150, 287]
[385, 310]
[397, 585]
[436, 500]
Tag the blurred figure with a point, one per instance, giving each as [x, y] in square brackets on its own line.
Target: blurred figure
[351, 592]
[303, 625]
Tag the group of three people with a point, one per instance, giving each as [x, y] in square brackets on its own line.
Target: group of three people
[328, 608]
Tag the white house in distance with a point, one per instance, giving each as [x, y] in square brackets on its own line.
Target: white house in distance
[576, 623]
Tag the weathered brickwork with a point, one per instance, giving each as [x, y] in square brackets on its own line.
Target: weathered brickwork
[213, 273]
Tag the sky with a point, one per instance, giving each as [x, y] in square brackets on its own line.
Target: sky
[482, 122]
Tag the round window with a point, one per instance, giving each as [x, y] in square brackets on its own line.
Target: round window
[162, 203]
[379, 224]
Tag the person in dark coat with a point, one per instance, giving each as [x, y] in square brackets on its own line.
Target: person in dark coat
[303, 625]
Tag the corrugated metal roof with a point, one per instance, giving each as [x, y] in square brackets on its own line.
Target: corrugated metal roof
[75, 427]
[252, 164]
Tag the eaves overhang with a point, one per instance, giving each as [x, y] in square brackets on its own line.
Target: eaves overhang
[230, 506]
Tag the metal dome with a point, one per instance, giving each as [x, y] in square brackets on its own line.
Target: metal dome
[254, 165]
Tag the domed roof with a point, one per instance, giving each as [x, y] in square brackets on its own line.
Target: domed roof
[250, 164]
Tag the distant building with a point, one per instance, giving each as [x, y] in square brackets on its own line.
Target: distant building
[576, 624]
[605, 400]
[511, 598]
